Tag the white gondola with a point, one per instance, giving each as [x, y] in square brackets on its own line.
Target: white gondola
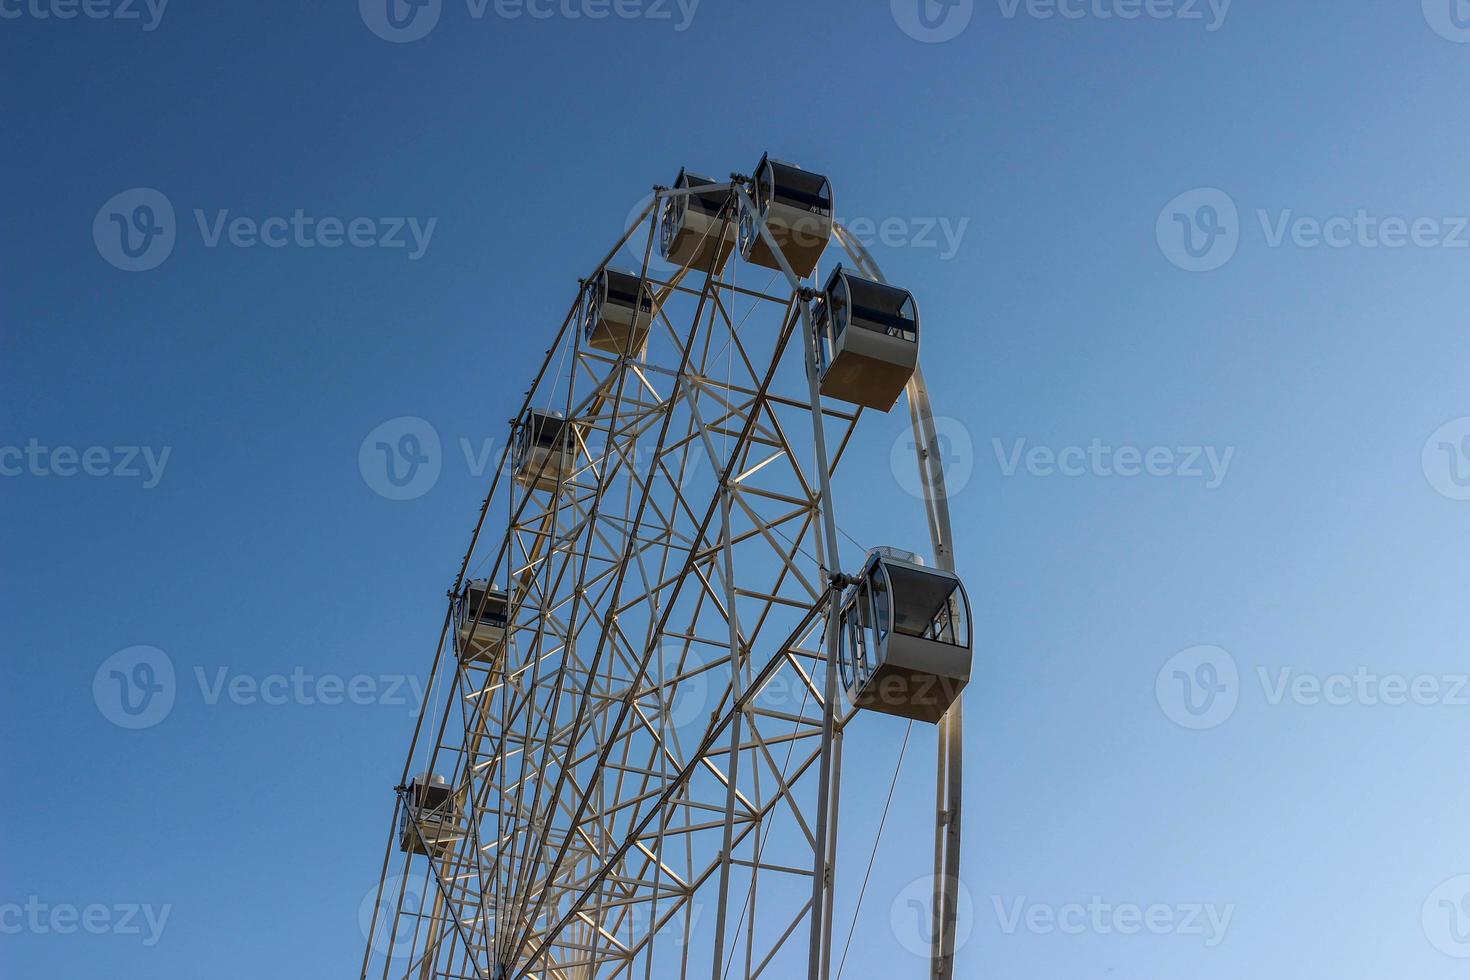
[905, 638]
[480, 620]
[617, 310]
[428, 825]
[545, 451]
[796, 207]
[867, 340]
[698, 230]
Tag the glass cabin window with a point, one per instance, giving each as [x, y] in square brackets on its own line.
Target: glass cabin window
[885, 309]
[929, 605]
[882, 602]
[548, 431]
[838, 305]
[765, 190]
[825, 334]
[491, 610]
[858, 639]
[624, 290]
[711, 203]
[799, 189]
[432, 796]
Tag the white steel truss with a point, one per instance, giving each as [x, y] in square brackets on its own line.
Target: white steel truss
[645, 775]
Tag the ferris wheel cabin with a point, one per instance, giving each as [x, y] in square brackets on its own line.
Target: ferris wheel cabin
[796, 206]
[905, 638]
[698, 230]
[545, 451]
[617, 312]
[480, 621]
[867, 340]
[428, 825]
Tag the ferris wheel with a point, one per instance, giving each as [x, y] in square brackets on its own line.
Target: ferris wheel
[630, 763]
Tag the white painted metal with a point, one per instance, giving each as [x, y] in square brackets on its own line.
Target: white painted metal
[645, 775]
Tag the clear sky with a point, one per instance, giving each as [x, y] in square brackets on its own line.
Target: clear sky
[1300, 383]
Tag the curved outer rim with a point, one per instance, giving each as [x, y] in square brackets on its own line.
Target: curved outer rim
[950, 782]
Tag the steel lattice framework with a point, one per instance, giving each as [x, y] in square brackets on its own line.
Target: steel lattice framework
[645, 779]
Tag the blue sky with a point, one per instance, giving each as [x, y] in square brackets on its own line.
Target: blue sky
[225, 394]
